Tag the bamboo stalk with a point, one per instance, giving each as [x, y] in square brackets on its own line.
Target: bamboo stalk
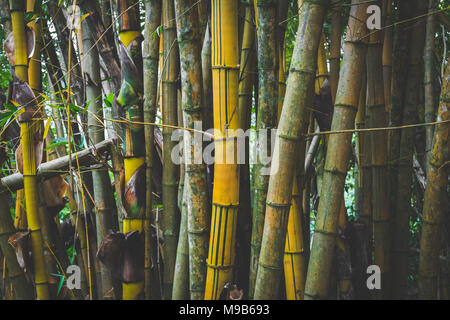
[348, 93]
[129, 99]
[195, 172]
[151, 60]
[375, 106]
[244, 223]
[429, 67]
[293, 121]
[335, 46]
[103, 194]
[403, 202]
[436, 199]
[170, 219]
[28, 129]
[181, 274]
[267, 58]
[225, 70]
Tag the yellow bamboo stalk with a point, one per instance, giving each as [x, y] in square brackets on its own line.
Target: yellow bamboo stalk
[225, 73]
[294, 257]
[28, 129]
[322, 69]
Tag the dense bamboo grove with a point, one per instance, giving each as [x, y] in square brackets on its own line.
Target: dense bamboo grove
[224, 149]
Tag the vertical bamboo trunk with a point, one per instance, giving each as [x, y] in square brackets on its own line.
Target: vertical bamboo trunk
[294, 251]
[298, 98]
[225, 71]
[181, 276]
[150, 61]
[207, 81]
[436, 199]
[429, 67]
[267, 58]
[170, 222]
[129, 99]
[195, 183]
[399, 246]
[335, 46]
[28, 129]
[22, 289]
[402, 36]
[107, 220]
[246, 81]
[338, 153]
[375, 106]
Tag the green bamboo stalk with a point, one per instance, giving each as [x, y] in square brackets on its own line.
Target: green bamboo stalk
[267, 57]
[151, 60]
[436, 199]
[338, 153]
[195, 182]
[170, 218]
[405, 169]
[298, 99]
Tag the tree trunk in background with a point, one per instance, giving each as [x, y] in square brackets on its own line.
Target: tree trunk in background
[436, 199]
[400, 262]
[225, 71]
[298, 98]
[338, 153]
